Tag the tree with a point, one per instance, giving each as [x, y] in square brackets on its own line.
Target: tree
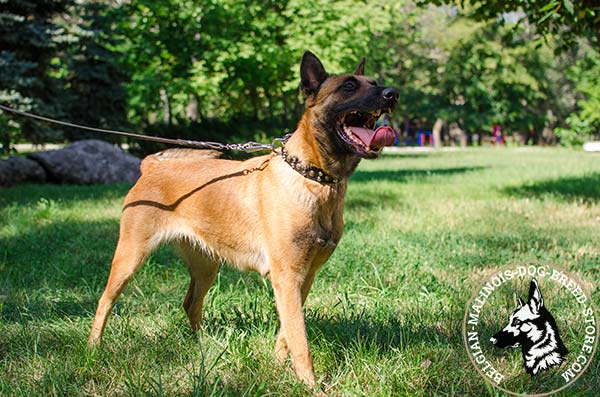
[28, 41]
[93, 78]
[491, 77]
[585, 120]
[566, 20]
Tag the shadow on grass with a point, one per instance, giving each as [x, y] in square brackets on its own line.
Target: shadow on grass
[377, 199]
[404, 175]
[385, 331]
[24, 195]
[44, 262]
[407, 155]
[58, 269]
[585, 188]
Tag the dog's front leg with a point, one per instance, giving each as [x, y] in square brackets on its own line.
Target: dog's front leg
[281, 347]
[287, 286]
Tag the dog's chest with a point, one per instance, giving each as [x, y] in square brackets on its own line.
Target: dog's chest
[319, 236]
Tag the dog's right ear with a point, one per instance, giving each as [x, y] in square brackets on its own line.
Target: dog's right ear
[360, 69]
[312, 74]
[535, 297]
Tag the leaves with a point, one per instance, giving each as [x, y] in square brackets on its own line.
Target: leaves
[229, 69]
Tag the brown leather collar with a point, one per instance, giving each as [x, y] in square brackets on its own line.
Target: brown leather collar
[308, 171]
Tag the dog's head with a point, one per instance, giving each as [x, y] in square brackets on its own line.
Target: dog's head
[526, 322]
[346, 107]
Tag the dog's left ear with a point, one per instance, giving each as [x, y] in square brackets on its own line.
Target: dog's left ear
[535, 297]
[360, 69]
[312, 74]
[520, 302]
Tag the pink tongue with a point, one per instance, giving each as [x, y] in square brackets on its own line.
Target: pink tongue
[382, 136]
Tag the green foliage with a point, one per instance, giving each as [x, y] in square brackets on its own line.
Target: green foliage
[91, 73]
[491, 77]
[586, 75]
[28, 40]
[567, 21]
[585, 121]
[228, 70]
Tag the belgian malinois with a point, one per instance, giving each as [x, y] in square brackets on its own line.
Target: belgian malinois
[278, 214]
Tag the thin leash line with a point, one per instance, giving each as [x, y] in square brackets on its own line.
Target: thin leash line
[246, 147]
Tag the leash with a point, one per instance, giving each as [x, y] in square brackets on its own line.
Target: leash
[248, 147]
[308, 171]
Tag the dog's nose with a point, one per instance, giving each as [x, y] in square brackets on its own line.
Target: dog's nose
[493, 340]
[390, 93]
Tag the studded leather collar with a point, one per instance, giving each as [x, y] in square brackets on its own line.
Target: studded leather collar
[308, 171]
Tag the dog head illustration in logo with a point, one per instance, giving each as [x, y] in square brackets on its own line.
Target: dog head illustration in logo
[532, 327]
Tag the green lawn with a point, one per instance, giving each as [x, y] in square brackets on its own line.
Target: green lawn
[384, 315]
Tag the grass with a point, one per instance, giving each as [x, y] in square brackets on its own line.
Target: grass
[384, 315]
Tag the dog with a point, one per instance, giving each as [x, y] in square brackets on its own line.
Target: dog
[532, 327]
[279, 214]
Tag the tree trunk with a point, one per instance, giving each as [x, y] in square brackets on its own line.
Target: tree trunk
[5, 134]
[285, 108]
[437, 133]
[191, 110]
[164, 97]
[255, 105]
[267, 108]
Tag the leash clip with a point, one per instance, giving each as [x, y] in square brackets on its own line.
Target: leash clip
[278, 143]
[251, 147]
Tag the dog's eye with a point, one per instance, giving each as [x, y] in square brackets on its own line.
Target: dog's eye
[350, 85]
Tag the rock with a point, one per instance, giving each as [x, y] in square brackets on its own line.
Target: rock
[20, 169]
[88, 162]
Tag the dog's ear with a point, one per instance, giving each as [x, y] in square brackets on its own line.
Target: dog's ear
[520, 302]
[535, 297]
[360, 69]
[312, 74]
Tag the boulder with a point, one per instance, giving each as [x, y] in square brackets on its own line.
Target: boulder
[88, 162]
[20, 169]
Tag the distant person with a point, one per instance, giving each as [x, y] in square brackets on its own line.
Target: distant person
[497, 134]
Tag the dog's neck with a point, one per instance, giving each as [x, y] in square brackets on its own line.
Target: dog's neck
[544, 353]
[311, 144]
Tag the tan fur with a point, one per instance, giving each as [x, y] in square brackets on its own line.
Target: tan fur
[257, 214]
[270, 219]
[149, 162]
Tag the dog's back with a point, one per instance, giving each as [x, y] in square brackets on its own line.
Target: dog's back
[152, 160]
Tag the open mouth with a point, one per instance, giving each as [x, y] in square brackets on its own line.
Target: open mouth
[357, 130]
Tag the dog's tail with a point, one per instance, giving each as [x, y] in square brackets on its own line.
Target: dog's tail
[153, 160]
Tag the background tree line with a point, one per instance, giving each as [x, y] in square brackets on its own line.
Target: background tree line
[228, 69]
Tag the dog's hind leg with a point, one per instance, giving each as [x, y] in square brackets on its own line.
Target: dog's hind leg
[130, 254]
[203, 270]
